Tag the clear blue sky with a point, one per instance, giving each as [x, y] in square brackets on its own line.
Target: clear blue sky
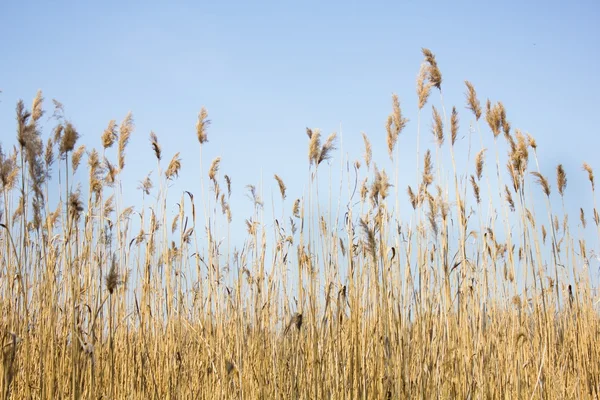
[265, 71]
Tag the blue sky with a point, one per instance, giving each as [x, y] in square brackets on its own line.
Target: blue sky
[266, 71]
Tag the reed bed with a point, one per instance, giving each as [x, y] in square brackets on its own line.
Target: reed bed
[471, 296]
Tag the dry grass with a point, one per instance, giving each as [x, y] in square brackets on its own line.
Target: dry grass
[448, 303]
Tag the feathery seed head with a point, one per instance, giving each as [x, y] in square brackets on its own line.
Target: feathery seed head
[368, 150]
[68, 139]
[174, 167]
[281, 184]
[109, 136]
[453, 126]
[561, 179]
[590, 171]
[202, 125]
[125, 131]
[472, 100]
[155, 146]
[438, 127]
[214, 168]
[423, 86]
[433, 71]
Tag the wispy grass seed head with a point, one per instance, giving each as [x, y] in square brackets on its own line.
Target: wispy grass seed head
[281, 184]
[472, 100]
[438, 127]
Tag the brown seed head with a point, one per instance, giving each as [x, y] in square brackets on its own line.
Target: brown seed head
[295, 322]
[281, 184]
[532, 142]
[202, 125]
[125, 131]
[75, 205]
[49, 154]
[109, 136]
[76, 157]
[434, 74]
[544, 233]
[155, 146]
[472, 101]
[112, 279]
[479, 163]
[174, 167]
[228, 182]
[493, 118]
[453, 126]
[561, 179]
[590, 171]
[543, 182]
[475, 189]
[412, 197]
[368, 150]
[327, 149]
[509, 198]
[423, 85]
[68, 139]
[36, 108]
[395, 124]
[314, 146]
[438, 127]
[427, 168]
[296, 209]
[146, 185]
[214, 168]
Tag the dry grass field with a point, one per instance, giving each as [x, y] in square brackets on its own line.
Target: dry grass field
[474, 296]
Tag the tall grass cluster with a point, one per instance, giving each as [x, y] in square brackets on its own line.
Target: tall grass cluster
[477, 294]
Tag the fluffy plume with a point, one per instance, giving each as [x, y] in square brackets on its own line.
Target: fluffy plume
[112, 279]
[368, 150]
[125, 131]
[202, 125]
[76, 157]
[423, 85]
[314, 146]
[412, 197]
[174, 167]
[590, 171]
[8, 170]
[472, 101]
[475, 189]
[228, 182]
[36, 107]
[75, 206]
[509, 198]
[494, 118]
[109, 136]
[543, 182]
[479, 163]
[453, 126]
[561, 179]
[532, 142]
[395, 125]
[371, 242]
[433, 72]
[438, 127]
[281, 184]
[427, 169]
[328, 147]
[295, 322]
[214, 168]
[155, 146]
[68, 139]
